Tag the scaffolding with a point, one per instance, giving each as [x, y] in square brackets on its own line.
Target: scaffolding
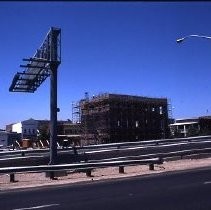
[87, 137]
[76, 112]
[115, 118]
[170, 113]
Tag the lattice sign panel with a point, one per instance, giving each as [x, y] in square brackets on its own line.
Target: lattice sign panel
[38, 67]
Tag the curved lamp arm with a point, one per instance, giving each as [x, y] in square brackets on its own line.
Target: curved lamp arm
[200, 36]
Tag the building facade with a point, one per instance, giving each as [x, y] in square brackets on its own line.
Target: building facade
[27, 129]
[191, 127]
[39, 129]
[109, 118]
[8, 138]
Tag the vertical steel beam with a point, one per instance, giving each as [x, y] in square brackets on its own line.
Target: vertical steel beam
[54, 63]
[53, 115]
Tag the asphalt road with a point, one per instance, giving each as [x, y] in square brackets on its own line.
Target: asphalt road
[186, 190]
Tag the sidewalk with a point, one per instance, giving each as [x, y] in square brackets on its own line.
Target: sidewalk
[38, 179]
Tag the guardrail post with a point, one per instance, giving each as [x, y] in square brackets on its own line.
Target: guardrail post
[151, 167]
[12, 177]
[75, 150]
[89, 173]
[121, 170]
[52, 175]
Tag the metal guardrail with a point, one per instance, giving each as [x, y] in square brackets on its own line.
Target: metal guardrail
[67, 156]
[136, 151]
[147, 142]
[22, 152]
[79, 166]
[163, 155]
[117, 160]
[149, 159]
[104, 146]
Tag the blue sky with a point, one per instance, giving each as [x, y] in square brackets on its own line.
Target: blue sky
[116, 47]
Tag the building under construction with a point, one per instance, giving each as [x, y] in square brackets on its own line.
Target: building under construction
[108, 118]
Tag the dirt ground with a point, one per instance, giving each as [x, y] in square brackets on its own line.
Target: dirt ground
[26, 180]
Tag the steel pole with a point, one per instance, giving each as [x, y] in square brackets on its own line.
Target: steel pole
[53, 95]
[53, 115]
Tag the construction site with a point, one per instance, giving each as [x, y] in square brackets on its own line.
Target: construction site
[109, 118]
[105, 118]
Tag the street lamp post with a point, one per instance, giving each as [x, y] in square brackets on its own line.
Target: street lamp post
[192, 35]
[199, 36]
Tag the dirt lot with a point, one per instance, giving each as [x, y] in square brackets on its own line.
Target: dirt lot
[39, 179]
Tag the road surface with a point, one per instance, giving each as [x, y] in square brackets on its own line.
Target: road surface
[184, 190]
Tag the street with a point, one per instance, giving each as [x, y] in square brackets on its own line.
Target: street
[184, 190]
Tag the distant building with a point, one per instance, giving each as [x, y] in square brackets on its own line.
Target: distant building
[191, 127]
[33, 129]
[105, 118]
[8, 138]
[71, 132]
[27, 128]
[118, 118]
[205, 125]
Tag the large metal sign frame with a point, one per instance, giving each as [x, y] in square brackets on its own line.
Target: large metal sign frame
[43, 64]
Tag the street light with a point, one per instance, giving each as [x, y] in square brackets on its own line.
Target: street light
[195, 35]
[200, 36]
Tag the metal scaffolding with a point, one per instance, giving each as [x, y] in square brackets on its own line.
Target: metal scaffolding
[115, 118]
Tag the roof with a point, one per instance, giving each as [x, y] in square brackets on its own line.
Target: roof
[184, 123]
[73, 135]
[107, 96]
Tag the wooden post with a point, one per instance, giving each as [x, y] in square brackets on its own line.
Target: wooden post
[52, 175]
[121, 170]
[151, 166]
[12, 177]
[89, 173]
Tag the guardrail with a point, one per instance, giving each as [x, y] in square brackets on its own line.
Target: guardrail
[162, 155]
[149, 159]
[119, 153]
[136, 151]
[67, 156]
[79, 167]
[147, 142]
[24, 152]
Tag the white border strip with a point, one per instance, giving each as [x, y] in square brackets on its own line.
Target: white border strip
[38, 207]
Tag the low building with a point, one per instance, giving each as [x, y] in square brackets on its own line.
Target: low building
[8, 138]
[71, 132]
[40, 130]
[27, 128]
[191, 127]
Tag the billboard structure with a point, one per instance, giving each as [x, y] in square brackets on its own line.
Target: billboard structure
[43, 64]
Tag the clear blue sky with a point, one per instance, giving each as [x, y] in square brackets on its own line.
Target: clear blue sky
[116, 47]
